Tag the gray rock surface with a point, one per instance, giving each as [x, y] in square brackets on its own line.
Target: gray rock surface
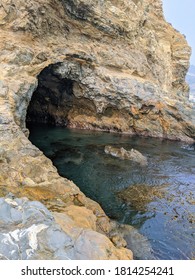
[29, 231]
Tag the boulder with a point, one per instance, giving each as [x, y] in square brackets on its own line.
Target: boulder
[121, 153]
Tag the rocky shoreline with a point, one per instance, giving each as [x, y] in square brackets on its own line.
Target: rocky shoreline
[123, 74]
[29, 231]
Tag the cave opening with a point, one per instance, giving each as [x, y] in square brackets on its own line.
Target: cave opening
[52, 100]
[63, 97]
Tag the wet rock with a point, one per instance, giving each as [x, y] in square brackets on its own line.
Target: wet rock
[121, 153]
[192, 146]
[139, 244]
[139, 196]
[131, 238]
[189, 147]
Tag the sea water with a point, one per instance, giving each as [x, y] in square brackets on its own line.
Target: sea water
[157, 199]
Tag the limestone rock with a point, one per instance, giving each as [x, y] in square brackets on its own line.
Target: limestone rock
[121, 153]
[29, 231]
[82, 217]
[127, 73]
[22, 223]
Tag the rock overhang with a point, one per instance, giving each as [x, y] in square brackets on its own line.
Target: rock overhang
[134, 78]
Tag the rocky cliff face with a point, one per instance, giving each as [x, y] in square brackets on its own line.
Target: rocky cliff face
[109, 65]
[126, 66]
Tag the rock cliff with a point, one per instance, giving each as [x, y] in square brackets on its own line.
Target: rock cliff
[109, 65]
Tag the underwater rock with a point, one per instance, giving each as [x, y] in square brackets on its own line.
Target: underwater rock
[139, 244]
[139, 196]
[133, 239]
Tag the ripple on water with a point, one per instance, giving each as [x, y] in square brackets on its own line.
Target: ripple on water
[158, 200]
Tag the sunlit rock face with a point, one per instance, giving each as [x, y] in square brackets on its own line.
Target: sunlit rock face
[107, 65]
[125, 64]
[29, 231]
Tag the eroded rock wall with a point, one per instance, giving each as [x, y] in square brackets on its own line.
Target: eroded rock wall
[122, 55]
[123, 59]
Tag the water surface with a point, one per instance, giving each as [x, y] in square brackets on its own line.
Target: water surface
[158, 199]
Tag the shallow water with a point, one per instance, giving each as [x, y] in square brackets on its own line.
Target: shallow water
[159, 199]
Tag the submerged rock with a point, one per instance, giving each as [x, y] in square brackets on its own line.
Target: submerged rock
[135, 241]
[139, 244]
[121, 153]
[139, 196]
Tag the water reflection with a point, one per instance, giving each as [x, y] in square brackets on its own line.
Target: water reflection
[158, 199]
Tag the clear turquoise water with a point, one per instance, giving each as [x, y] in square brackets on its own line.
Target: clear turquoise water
[168, 222]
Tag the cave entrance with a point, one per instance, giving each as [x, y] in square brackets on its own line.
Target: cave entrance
[62, 97]
[53, 99]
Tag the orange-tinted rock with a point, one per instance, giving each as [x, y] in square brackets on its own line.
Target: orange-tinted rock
[128, 69]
